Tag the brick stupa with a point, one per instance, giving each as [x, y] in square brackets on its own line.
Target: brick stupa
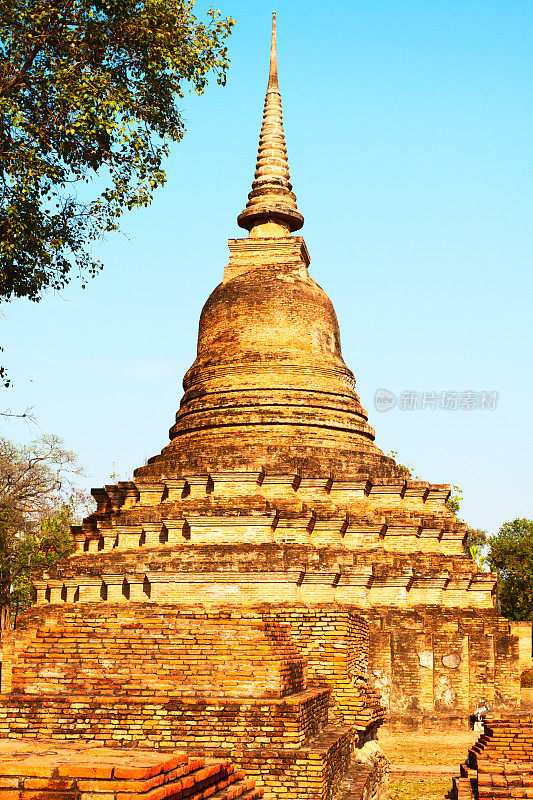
[271, 582]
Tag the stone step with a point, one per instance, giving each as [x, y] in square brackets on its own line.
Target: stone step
[463, 789]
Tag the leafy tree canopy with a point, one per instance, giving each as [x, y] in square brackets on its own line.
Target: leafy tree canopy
[511, 552]
[453, 503]
[89, 93]
[474, 545]
[38, 503]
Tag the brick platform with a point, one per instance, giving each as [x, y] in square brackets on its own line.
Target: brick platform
[144, 676]
[167, 722]
[46, 770]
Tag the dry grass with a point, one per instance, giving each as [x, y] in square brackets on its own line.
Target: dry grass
[428, 748]
[445, 749]
[403, 789]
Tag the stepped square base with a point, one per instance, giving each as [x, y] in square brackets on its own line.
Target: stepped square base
[204, 662]
[147, 677]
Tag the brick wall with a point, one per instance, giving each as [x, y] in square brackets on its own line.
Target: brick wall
[166, 722]
[311, 773]
[431, 660]
[523, 631]
[336, 645]
[145, 650]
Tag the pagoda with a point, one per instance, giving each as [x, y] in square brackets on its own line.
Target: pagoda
[270, 585]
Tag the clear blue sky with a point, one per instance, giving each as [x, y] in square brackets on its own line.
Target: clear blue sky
[410, 135]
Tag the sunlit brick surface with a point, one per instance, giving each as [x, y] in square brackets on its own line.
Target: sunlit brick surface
[501, 761]
[45, 769]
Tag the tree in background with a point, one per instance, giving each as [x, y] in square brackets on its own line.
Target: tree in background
[474, 544]
[453, 503]
[89, 93]
[38, 503]
[511, 553]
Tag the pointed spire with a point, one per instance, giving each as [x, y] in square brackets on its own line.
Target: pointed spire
[271, 209]
[273, 73]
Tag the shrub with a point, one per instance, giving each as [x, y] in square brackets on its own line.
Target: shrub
[526, 679]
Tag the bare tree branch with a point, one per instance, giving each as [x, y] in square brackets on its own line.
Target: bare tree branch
[38, 499]
[27, 414]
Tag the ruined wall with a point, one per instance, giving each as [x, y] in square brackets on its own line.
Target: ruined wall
[523, 631]
[500, 762]
[439, 661]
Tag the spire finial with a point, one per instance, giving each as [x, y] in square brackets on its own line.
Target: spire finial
[271, 210]
[273, 74]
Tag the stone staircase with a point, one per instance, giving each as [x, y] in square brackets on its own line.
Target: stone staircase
[500, 764]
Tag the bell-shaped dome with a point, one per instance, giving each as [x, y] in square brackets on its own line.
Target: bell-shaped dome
[269, 388]
[269, 314]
